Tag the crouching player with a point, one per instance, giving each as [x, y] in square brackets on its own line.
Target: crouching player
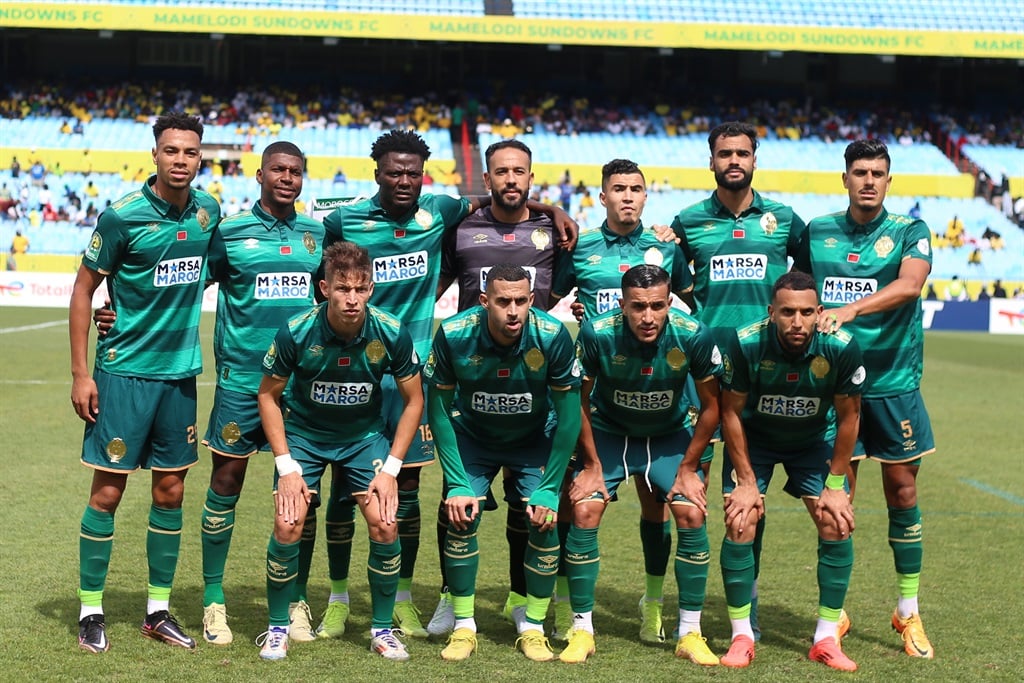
[496, 371]
[636, 361]
[331, 414]
[781, 377]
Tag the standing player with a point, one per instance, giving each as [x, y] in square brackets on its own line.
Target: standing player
[495, 372]
[507, 231]
[871, 267]
[336, 356]
[403, 231]
[265, 260]
[781, 379]
[139, 404]
[595, 269]
[636, 360]
[739, 243]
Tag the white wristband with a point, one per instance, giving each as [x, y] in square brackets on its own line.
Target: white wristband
[286, 465]
[392, 466]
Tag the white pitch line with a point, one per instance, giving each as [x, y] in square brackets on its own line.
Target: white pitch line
[28, 328]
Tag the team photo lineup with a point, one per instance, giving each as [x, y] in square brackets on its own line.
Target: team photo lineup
[708, 329]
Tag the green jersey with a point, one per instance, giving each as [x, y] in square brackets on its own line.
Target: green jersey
[265, 268]
[405, 253]
[501, 392]
[602, 256]
[638, 388]
[334, 394]
[790, 396]
[851, 261]
[737, 259]
[153, 257]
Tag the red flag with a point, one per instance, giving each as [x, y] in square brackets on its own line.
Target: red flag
[399, 232]
[739, 234]
[852, 258]
[504, 372]
[182, 235]
[647, 370]
[792, 377]
[344, 362]
[510, 237]
[285, 250]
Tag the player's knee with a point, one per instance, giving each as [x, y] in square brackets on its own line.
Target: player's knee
[587, 514]
[900, 487]
[286, 532]
[687, 516]
[169, 489]
[381, 532]
[228, 476]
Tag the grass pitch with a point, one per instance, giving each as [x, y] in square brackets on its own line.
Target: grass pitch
[971, 493]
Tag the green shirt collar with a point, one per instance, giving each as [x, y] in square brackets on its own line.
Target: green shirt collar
[166, 209]
[269, 221]
[756, 206]
[329, 333]
[612, 237]
[853, 226]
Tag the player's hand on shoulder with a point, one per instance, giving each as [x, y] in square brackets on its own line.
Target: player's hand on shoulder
[665, 234]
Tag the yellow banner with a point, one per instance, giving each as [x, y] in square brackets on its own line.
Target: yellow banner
[176, 19]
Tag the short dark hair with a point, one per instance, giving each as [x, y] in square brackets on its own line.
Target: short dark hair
[797, 281]
[509, 272]
[282, 147]
[866, 149]
[730, 129]
[645, 276]
[400, 142]
[346, 257]
[506, 144]
[177, 120]
[620, 167]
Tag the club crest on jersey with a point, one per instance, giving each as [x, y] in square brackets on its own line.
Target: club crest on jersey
[738, 267]
[676, 358]
[203, 217]
[534, 359]
[884, 246]
[540, 238]
[820, 367]
[845, 290]
[179, 271]
[231, 433]
[769, 223]
[308, 242]
[788, 406]
[654, 257]
[502, 404]
[341, 393]
[116, 449]
[400, 267]
[375, 351]
[423, 218]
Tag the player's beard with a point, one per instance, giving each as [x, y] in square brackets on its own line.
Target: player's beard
[498, 198]
[733, 185]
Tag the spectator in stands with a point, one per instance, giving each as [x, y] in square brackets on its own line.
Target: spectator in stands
[91, 190]
[915, 211]
[37, 173]
[15, 168]
[65, 127]
[79, 128]
[7, 201]
[45, 197]
[983, 295]
[339, 177]
[955, 232]
[427, 178]
[974, 258]
[955, 290]
[931, 294]
[998, 291]
[19, 245]
[993, 239]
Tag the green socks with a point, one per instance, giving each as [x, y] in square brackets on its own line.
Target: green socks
[163, 541]
[217, 524]
[95, 542]
[583, 562]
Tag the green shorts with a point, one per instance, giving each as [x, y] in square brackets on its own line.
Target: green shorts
[142, 423]
[691, 397]
[524, 466]
[806, 469]
[653, 459]
[355, 463]
[235, 429]
[894, 429]
[421, 450]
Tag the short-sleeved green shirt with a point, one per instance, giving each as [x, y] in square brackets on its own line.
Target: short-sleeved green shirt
[265, 268]
[405, 253]
[600, 258]
[334, 394]
[501, 393]
[638, 389]
[851, 261]
[737, 259]
[790, 396]
[154, 258]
